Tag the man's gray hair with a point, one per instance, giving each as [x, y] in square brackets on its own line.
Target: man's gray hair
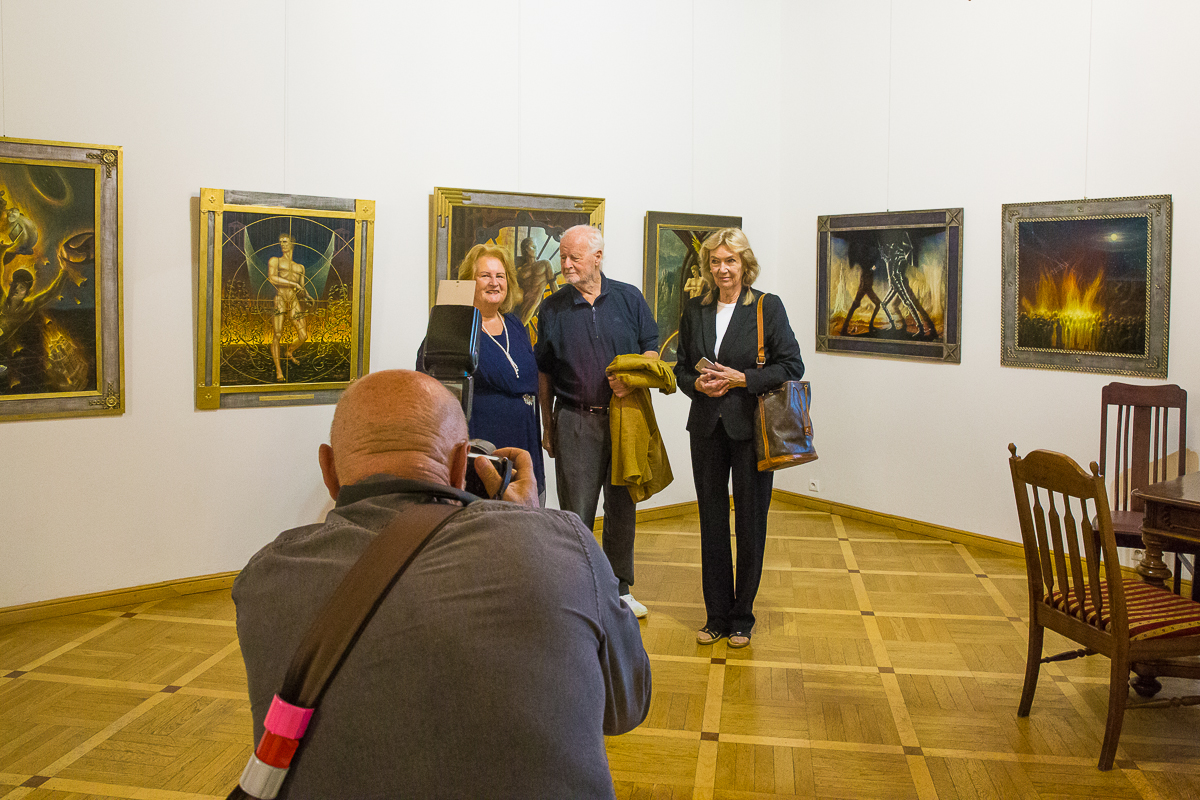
[595, 239]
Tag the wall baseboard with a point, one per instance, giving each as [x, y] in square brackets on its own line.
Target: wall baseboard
[903, 523]
[115, 597]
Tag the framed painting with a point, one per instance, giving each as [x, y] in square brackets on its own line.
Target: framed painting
[284, 297]
[60, 280]
[671, 268]
[528, 225]
[1087, 285]
[890, 284]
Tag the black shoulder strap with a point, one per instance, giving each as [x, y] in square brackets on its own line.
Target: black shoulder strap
[335, 630]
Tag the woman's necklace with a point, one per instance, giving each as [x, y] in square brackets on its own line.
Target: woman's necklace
[504, 347]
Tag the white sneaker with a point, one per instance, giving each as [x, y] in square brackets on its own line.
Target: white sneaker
[639, 610]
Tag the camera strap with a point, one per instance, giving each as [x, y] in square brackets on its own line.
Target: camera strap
[330, 638]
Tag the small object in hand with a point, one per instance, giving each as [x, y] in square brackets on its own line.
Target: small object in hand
[704, 364]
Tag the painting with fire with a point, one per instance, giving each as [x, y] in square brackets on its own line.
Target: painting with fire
[1087, 285]
[60, 283]
[284, 292]
[890, 284]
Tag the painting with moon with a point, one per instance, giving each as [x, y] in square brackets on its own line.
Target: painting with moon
[1087, 285]
[59, 280]
[1083, 284]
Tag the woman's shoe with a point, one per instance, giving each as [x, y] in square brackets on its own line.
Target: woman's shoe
[708, 636]
[738, 640]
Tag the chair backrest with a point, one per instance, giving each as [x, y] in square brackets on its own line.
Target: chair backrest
[1057, 504]
[1141, 440]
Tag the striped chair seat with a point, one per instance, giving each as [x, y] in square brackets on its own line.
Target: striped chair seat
[1154, 613]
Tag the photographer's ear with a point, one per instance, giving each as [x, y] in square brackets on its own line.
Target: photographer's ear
[329, 471]
[459, 463]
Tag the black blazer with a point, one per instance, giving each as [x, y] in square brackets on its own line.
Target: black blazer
[739, 350]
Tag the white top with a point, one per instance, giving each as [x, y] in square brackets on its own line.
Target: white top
[724, 314]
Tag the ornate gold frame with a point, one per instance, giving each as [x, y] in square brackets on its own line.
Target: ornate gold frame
[108, 396]
[446, 204]
[211, 392]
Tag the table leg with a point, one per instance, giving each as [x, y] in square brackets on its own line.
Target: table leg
[1151, 568]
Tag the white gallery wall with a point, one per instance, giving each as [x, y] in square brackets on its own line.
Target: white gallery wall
[775, 111]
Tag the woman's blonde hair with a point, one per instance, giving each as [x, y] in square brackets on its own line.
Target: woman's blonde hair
[466, 271]
[735, 240]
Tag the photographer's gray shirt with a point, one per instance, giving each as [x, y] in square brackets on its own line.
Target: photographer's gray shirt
[493, 668]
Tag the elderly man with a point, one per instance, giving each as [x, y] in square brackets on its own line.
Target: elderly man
[498, 661]
[581, 328]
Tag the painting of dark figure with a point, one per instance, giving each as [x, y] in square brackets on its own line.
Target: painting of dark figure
[671, 268]
[890, 262]
[889, 284]
[1086, 285]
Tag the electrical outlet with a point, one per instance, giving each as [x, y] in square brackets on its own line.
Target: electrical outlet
[814, 485]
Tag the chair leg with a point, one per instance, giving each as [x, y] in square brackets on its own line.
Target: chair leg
[1118, 695]
[1033, 664]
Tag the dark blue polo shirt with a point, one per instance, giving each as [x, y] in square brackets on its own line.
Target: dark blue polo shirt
[577, 340]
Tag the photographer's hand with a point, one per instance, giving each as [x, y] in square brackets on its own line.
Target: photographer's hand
[523, 488]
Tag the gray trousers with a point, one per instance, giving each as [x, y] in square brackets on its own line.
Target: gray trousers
[583, 466]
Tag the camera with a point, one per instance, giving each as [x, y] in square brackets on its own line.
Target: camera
[483, 449]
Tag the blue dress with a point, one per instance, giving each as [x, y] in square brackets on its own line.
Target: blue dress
[505, 411]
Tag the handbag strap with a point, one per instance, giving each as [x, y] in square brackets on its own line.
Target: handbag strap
[330, 638]
[762, 347]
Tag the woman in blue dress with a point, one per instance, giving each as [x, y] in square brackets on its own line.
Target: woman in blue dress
[505, 410]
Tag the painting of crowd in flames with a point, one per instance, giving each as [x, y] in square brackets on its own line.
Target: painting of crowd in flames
[286, 299]
[1087, 285]
[1082, 284]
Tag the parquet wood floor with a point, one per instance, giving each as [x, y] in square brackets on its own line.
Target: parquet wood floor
[884, 665]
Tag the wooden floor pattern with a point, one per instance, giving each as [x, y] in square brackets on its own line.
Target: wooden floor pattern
[884, 665]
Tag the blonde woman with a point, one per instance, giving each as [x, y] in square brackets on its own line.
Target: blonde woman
[721, 326]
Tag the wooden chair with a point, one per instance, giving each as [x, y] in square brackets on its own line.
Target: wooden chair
[1071, 592]
[1142, 414]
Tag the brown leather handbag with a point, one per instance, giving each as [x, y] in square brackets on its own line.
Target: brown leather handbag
[783, 434]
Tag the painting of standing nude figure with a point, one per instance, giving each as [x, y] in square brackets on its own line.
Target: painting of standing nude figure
[1086, 285]
[58, 281]
[290, 284]
[890, 284]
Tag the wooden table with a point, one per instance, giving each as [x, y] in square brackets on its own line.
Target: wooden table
[1172, 512]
